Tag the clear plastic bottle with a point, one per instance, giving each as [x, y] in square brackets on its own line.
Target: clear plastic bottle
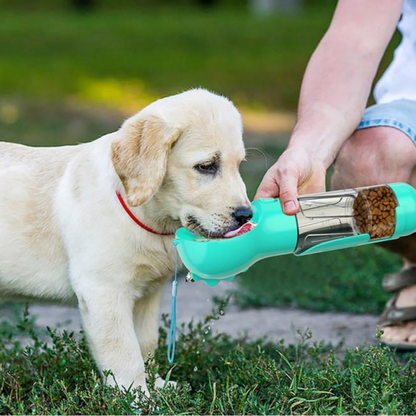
[333, 215]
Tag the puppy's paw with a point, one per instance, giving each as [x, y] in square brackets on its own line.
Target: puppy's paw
[160, 383]
[141, 396]
[145, 391]
[139, 387]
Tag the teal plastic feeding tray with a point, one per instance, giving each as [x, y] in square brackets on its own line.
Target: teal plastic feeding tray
[325, 222]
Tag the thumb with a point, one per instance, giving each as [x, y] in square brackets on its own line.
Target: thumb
[288, 194]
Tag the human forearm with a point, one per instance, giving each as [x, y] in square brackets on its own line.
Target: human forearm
[334, 92]
[338, 78]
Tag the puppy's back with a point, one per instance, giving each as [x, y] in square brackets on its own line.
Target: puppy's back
[12, 154]
[32, 256]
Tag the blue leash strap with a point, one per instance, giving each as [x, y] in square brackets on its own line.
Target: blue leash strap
[172, 329]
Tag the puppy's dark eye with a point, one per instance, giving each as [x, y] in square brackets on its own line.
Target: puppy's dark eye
[207, 168]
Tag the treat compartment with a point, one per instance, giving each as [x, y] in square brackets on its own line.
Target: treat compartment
[374, 211]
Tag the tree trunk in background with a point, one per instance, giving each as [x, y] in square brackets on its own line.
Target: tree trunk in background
[83, 5]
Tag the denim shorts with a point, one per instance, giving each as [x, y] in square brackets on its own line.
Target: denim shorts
[400, 114]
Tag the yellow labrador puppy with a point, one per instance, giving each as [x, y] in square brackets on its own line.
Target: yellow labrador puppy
[93, 223]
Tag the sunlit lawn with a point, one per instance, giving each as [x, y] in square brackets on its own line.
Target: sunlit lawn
[125, 59]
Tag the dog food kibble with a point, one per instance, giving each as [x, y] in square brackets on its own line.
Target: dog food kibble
[374, 212]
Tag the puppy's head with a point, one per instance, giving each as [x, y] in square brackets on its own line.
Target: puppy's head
[184, 153]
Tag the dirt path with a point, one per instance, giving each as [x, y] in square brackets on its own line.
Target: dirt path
[194, 301]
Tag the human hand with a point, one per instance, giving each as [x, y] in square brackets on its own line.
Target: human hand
[296, 171]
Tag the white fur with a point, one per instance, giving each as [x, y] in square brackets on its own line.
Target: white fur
[64, 236]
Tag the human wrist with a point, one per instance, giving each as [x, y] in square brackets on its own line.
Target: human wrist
[321, 130]
[317, 149]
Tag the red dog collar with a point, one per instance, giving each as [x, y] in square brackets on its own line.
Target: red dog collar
[135, 219]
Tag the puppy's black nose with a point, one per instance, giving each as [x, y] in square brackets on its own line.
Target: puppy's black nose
[243, 215]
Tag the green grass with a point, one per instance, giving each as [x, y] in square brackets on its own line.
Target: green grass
[125, 59]
[216, 375]
[48, 123]
[345, 280]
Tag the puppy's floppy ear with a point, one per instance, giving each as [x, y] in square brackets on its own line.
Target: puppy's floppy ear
[140, 156]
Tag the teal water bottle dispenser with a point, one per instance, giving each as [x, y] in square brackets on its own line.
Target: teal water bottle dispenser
[325, 222]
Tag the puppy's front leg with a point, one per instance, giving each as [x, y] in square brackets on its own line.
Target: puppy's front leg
[107, 314]
[146, 322]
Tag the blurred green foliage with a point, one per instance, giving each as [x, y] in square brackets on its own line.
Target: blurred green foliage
[138, 4]
[40, 123]
[125, 59]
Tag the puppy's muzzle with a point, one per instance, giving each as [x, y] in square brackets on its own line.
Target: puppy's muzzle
[241, 215]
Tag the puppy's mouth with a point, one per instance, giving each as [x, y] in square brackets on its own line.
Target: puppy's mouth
[245, 228]
[193, 225]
